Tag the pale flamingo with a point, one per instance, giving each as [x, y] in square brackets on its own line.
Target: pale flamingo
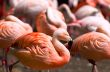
[50, 20]
[14, 3]
[73, 3]
[28, 9]
[69, 16]
[93, 46]
[39, 51]
[87, 10]
[90, 23]
[53, 3]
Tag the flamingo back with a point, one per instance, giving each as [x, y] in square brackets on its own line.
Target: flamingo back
[93, 45]
[36, 51]
[9, 32]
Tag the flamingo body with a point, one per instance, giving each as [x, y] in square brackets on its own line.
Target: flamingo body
[39, 51]
[87, 10]
[48, 26]
[9, 32]
[89, 24]
[93, 45]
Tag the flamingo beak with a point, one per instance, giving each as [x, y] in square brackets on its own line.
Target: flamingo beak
[70, 44]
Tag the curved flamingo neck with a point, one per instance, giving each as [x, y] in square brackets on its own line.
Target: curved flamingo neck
[64, 55]
[55, 19]
[69, 17]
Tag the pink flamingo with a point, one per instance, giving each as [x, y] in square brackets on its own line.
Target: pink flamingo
[27, 10]
[49, 21]
[39, 51]
[93, 46]
[26, 26]
[9, 32]
[90, 23]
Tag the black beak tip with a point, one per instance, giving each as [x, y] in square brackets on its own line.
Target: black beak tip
[70, 44]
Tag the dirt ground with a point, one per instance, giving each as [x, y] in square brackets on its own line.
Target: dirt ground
[75, 65]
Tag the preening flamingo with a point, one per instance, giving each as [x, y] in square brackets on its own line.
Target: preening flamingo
[90, 23]
[28, 10]
[49, 21]
[68, 15]
[87, 10]
[39, 51]
[93, 46]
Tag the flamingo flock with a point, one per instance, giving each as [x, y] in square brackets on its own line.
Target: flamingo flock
[45, 35]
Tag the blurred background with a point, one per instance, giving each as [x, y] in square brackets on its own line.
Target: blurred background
[76, 64]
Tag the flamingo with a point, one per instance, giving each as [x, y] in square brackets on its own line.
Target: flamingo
[76, 4]
[40, 51]
[93, 46]
[87, 10]
[68, 15]
[9, 32]
[95, 2]
[103, 5]
[28, 10]
[90, 23]
[14, 3]
[73, 3]
[53, 3]
[49, 21]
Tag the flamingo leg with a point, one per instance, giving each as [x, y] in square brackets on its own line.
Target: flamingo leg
[11, 66]
[4, 61]
[94, 68]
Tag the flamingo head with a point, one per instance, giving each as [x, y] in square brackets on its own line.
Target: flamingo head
[55, 17]
[74, 29]
[68, 15]
[62, 34]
